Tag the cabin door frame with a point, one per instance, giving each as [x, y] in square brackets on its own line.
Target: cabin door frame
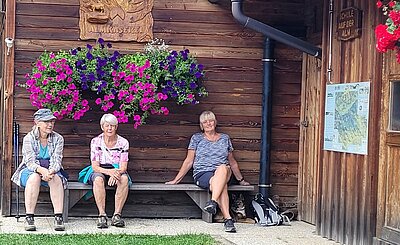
[309, 147]
[7, 108]
[388, 206]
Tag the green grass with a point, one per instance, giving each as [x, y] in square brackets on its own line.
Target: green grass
[100, 239]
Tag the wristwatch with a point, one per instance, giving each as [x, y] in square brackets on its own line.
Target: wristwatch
[240, 180]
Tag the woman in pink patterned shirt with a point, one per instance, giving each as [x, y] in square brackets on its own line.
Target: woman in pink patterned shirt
[109, 157]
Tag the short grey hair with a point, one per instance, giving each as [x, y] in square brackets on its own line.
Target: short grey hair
[207, 115]
[108, 118]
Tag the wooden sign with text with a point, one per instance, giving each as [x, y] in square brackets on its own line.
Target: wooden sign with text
[349, 24]
[116, 20]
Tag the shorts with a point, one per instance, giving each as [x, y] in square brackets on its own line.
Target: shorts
[105, 177]
[202, 179]
[25, 176]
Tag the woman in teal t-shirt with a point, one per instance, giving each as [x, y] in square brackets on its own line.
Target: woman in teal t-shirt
[41, 164]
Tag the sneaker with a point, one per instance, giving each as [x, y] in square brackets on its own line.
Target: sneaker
[229, 226]
[102, 222]
[30, 224]
[59, 223]
[211, 207]
[117, 221]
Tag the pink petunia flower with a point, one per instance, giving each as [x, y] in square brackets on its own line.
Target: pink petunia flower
[98, 101]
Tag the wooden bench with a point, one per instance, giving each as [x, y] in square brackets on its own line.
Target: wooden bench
[76, 190]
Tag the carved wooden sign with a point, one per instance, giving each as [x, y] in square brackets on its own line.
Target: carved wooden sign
[116, 20]
[349, 24]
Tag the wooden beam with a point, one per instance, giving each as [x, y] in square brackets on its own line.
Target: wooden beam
[8, 108]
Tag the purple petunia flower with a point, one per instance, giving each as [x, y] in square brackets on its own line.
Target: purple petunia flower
[84, 86]
[83, 77]
[89, 56]
[91, 77]
[100, 73]
[193, 85]
[198, 74]
[79, 63]
[192, 67]
[184, 55]
[101, 62]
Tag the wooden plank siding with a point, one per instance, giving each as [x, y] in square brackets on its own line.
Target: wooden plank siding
[231, 55]
[347, 184]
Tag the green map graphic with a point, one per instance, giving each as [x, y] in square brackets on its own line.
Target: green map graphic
[350, 125]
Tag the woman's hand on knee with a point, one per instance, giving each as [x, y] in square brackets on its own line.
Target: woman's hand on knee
[112, 181]
[47, 175]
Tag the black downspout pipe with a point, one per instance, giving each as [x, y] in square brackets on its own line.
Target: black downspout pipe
[268, 59]
[271, 32]
[277, 35]
[268, 66]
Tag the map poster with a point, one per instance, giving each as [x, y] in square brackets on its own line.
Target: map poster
[346, 117]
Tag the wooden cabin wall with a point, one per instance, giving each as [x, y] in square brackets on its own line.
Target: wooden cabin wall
[346, 211]
[232, 59]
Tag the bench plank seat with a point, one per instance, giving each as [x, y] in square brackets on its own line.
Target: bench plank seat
[159, 187]
[76, 190]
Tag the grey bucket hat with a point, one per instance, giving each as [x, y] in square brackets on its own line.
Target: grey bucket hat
[43, 115]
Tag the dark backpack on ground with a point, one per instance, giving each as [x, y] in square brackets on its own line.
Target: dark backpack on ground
[266, 213]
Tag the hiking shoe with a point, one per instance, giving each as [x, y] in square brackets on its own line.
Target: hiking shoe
[102, 222]
[117, 221]
[59, 223]
[30, 224]
[211, 207]
[229, 226]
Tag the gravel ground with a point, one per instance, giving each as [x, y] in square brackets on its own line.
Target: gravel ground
[297, 233]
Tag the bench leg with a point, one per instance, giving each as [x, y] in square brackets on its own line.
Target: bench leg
[200, 198]
[70, 199]
[66, 205]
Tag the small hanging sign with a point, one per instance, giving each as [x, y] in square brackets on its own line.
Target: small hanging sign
[349, 24]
